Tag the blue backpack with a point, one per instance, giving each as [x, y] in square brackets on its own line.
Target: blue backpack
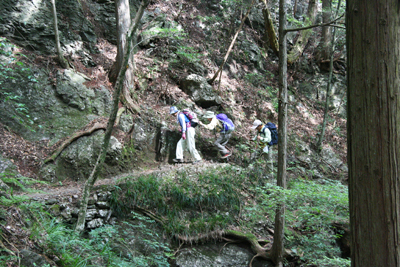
[274, 133]
[228, 124]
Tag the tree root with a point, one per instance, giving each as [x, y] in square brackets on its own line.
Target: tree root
[230, 236]
[10, 252]
[201, 238]
[73, 137]
[119, 114]
[128, 101]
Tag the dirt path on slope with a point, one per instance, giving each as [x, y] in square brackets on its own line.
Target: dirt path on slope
[73, 189]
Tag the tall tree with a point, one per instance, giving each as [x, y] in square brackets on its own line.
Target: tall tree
[329, 83]
[323, 50]
[269, 28]
[123, 17]
[60, 55]
[80, 225]
[277, 250]
[373, 56]
[303, 36]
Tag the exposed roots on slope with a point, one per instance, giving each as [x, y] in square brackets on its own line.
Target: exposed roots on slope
[230, 236]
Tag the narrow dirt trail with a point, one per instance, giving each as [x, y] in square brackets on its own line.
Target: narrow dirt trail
[73, 189]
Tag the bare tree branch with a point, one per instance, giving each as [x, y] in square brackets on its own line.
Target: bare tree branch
[317, 25]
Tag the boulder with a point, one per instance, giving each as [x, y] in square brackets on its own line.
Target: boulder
[200, 91]
[32, 259]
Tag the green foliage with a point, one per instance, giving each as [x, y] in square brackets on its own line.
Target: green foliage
[188, 54]
[102, 247]
[189, 206]
[311, 208]
[14, 200]
[234, 4]
[19, 182]
[171, 33]
[255, 78]
[294, 22]
[333, 262]
[128, 155]
[157, 253]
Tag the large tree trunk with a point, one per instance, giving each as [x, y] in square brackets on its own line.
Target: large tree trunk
[269, 28]
[80, 225]
[323, 49]
[303, 37]
[60, 56]
[278, 245]
[123, 16]
[122, 13]
[373, 37]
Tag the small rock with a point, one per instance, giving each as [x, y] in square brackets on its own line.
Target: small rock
[103, 213]
[90, 214]
[51, 201]
[95, 223]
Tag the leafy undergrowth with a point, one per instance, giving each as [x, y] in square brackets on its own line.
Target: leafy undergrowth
[194, 204]
[186, 202]
[29, 225]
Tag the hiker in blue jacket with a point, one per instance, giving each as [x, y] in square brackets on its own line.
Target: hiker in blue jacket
[187, 141]
[222, 124]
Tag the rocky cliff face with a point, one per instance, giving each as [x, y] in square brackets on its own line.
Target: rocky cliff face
[169, 71]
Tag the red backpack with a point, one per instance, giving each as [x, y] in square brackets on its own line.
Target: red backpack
[194, 121]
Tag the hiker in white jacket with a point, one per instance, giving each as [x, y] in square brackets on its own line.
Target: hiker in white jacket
[263, 135]
[187, 141]
[222, 124]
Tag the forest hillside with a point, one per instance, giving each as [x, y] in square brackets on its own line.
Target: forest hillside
[144, 209]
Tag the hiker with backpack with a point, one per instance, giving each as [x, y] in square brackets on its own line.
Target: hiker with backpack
[263, 135]
[266, 136]
[187, 120]
[222, 124]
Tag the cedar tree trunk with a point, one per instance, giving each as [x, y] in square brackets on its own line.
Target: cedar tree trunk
[373, 54]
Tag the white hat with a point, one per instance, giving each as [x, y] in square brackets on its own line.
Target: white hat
[209, 115]
[256, 123]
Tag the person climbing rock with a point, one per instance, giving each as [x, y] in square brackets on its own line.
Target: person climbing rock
[187, 140]
[222, 124]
